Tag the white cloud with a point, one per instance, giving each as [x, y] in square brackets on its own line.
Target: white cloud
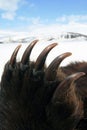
[37, 26]
[9, 5]
[32, 20]
[35, 20]
[9, 8]
[72, 18]
[8, 15]
[64, 23]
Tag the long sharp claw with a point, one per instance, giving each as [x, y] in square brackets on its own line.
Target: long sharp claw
[42, 57]
[13, 57]
[27, 52]
[66, 84]
[52, 68]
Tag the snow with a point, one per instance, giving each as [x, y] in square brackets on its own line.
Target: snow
[76, 47]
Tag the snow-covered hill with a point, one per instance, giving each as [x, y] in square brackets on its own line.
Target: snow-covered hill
[26, 37]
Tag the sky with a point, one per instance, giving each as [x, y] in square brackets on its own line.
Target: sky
[30, 15]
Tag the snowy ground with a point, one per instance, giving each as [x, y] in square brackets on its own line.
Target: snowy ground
[78, 49]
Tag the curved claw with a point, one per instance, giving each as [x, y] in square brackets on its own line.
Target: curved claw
[66, 84]
[13, 57]
[27, 52]
[42, 57]
[52, 68]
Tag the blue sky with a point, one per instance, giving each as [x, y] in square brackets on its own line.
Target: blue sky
[28, 14]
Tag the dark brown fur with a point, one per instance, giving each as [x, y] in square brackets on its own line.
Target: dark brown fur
[31, 100]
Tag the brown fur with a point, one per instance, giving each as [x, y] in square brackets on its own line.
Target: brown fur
[28, 101]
